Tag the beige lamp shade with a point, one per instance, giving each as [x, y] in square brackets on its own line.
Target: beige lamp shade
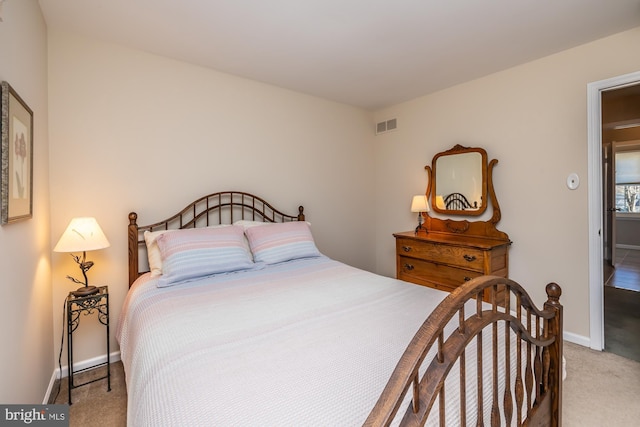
[419, 204]
[82, 234]
[440, 202]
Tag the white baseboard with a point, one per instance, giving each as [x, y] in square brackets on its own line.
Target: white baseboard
[83, 364]
[577, 339]
[633, 247]
[52, 382]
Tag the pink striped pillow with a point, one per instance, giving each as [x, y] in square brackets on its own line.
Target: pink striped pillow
[274, 243]
[198, 252]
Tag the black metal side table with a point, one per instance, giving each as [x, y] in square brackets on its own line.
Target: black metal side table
[76, 305]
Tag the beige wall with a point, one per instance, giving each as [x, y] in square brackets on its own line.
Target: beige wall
[533, 119]
[27, 349]
[133, 131]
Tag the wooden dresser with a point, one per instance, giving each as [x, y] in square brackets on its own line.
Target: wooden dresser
[447, 252]
[445, 261]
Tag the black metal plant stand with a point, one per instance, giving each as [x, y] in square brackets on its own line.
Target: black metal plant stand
[76, 305]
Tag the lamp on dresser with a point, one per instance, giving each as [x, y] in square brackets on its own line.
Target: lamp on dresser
[82, 235]
[419, 204]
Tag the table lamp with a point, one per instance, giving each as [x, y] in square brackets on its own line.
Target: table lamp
[82, 235]
[419, 204]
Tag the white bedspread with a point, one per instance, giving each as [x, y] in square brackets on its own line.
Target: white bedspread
[305, 343]
[310, 342]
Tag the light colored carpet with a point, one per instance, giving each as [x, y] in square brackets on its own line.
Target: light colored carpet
[93, 405]
[601, 390]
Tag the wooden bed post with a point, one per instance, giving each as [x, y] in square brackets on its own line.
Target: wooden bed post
[555, 329]
[133, 247]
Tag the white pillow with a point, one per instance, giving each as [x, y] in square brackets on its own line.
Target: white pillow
[153, 251]
[247, 224]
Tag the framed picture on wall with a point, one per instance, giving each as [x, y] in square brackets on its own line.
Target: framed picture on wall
[16, 179]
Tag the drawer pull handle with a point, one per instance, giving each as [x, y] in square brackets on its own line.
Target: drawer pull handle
[469, 257]
[406, 248]
[466, 278]
[408, 267]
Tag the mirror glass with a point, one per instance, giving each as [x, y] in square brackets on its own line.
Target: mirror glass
[460, 181]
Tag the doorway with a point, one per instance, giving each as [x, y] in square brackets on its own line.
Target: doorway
[621, 188]
[601, 213]
[621, 212]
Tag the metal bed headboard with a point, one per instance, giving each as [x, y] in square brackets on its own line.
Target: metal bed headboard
[223, 207]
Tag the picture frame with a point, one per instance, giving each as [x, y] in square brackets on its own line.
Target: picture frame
[16, 150]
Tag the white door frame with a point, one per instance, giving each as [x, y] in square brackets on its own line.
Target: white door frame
[594, 138]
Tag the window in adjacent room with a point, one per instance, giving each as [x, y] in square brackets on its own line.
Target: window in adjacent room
[628, 181]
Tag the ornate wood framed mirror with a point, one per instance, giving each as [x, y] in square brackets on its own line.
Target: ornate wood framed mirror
[460, 181]
[461, 184]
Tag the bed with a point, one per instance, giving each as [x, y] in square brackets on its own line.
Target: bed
[260, 328]
[458, 202]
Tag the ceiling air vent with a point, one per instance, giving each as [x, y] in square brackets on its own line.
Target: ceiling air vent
[386, 126]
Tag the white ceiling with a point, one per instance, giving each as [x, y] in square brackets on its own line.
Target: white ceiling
[367, 53]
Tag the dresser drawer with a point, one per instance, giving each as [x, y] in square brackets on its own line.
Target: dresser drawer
[429, 273]
[469, 258]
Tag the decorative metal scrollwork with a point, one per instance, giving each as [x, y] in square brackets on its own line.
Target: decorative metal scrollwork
[74, 320]
[87, 305]
[103, 314]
